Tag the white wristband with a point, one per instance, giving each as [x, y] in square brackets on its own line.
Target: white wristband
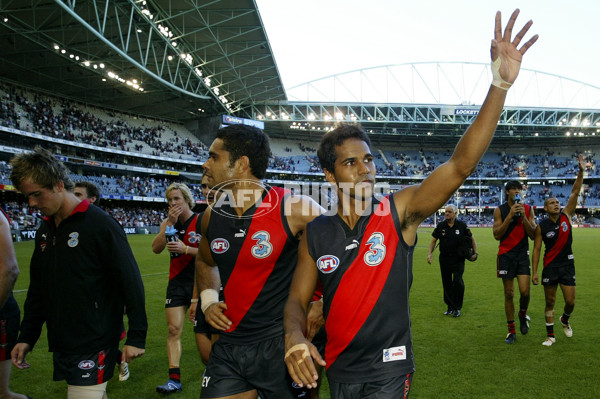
[496, 78]
[207, 298]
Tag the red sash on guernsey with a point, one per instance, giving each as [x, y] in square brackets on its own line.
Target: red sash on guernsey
[361, 285]
[182, 261]
[515, 236]
[251, 273]
[563, 236]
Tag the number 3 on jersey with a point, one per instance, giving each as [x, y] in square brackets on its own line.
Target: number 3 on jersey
[263, 247]
[376, 252]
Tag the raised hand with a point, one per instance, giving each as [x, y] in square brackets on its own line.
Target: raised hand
[506, 56]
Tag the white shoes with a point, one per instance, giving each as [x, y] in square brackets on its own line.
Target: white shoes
[567, 329]
[123, 371]
[549, 341]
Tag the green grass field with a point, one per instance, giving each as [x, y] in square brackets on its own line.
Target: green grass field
[455, 358]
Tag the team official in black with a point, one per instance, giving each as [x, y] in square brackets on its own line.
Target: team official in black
[453, 235]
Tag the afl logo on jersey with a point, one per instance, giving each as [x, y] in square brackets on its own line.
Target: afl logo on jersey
[564, 226]
[550, 234]
[86, 364]
[219, 245]
[328, 263]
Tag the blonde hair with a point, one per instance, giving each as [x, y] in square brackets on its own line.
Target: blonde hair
[185, 191]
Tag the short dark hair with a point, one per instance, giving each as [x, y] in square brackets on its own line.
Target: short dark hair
[240, 140]
[91, 188]
[335, 138]
[43, 169]
[512, 184]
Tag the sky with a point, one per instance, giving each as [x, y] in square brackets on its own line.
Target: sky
[312, 39]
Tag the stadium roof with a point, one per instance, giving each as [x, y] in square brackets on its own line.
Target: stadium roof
[190, 58]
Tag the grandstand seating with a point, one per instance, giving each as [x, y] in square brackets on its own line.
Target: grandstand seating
[139, 146]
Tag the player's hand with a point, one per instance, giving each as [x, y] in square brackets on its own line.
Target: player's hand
[314, 319]
[505, 47]
[535, 279]
[18, 355]
[299, 355]
[474, 257]
[429, 258]
[581, 162]
[215, 316]
[132, 352]
[177, 247]
[518, 208]
[174, 212]
[192, 311]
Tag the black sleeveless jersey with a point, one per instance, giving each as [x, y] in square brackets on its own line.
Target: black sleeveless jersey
[515, 240]
[256, 255]
[366, 275]
[558, 238]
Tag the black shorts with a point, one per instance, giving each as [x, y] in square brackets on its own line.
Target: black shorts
[511, 266]
[201, 326]
[392, 388]
[179, 293]
[234, 369]
[562, 273]
[10, 318]
[320, 341]
[89, 369]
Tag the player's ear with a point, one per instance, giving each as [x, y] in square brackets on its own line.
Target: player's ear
[330, 176]
[243, 164]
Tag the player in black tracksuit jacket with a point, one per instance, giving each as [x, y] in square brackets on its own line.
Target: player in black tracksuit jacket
[82, 274]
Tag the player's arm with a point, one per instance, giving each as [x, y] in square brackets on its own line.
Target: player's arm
[529, 223]
[431, 249]
[209, 282]
[417, 202]
[572, 203]
[9, 269]
[301, 210]
[501, 226]
[160, 240]
[299, 351]
[535, 258]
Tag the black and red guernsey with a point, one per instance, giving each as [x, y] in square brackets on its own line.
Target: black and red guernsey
[515, 239]
[366, 274]
[558, 238]
[256, 255]
[183, 266]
